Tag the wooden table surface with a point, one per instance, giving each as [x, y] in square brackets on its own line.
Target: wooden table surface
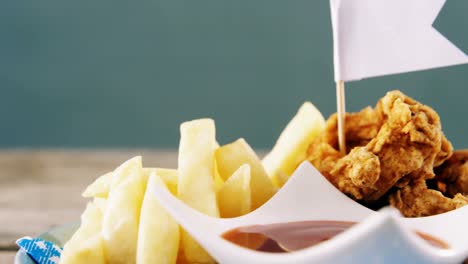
[42, 189]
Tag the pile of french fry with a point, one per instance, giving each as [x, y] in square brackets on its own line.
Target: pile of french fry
[124, 223]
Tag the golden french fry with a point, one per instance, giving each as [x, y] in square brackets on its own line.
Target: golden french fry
[181, 259]
[132, 166]
[169, 177]
[158, 236]
[292, 144]
[86, 245]
[280, 179]
[100, 203]
[121, 217]
[196, 185]
[231, 156]
[217, 178]
[234, 196]
[100, 187]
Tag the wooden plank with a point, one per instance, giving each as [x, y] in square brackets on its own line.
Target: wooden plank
[42, 189]
[7, 256]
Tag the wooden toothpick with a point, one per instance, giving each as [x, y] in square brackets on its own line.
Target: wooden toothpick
[341, 112]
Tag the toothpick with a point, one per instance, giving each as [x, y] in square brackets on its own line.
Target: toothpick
[341, 112]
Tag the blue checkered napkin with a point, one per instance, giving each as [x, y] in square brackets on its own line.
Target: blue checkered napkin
[43, 252]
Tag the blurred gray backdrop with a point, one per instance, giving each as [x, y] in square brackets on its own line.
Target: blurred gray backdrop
[121, 73]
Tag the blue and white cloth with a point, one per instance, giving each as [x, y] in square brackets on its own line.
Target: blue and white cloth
[43, 252]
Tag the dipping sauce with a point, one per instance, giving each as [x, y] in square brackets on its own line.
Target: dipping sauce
[293, 236]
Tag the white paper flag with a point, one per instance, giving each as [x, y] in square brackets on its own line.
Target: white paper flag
[381, 37]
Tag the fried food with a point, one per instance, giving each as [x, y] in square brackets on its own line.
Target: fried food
[158, 233]
[391, 147]
[196, 185]
[120, 219]
[290, 148]
[361, 127]
[415, 200]
[232, 156]
[234, 197]
[86, 244]
[452, 176]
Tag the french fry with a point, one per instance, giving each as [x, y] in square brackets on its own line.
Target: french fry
[234, 196]
[86, 245]
[100, 203]
[100, 187]
[280, 179]
[132, 166]
[231, 156]
[121, 217]
[168, 176]
[196, 180]
[291, 146]
[181, 259]
[158, 236]
[217, 178]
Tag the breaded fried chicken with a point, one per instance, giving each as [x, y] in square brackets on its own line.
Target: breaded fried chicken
[452, 176]
[398, 142]
[415, 200]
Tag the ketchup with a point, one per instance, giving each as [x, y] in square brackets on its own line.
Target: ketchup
[293, 236]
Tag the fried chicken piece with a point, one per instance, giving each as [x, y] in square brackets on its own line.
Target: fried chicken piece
[324, 157]
[452, 176]
[362, 170]
[445, 153]
[399, 138]
[415, 200]
[361, 127]
[361, 175]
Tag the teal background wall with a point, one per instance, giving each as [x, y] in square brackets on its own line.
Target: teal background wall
[115, 73]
